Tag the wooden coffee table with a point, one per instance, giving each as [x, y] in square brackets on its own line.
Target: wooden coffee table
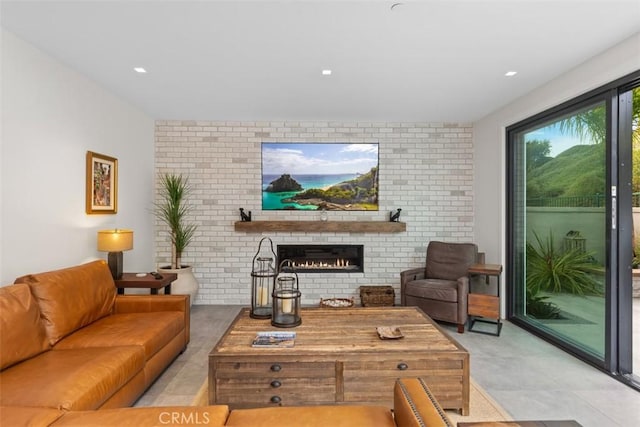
[338, 358]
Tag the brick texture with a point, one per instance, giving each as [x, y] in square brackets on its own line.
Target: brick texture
[425, 168]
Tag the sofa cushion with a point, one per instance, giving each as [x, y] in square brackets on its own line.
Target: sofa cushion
[72, 297]
[24, 416]
[22, 333]
[149, 417]
[450, 261]
[152, 331]
[70, 379]
[436, 289]
[312, 416]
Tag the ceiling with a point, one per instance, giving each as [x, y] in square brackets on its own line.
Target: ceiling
[429, 60]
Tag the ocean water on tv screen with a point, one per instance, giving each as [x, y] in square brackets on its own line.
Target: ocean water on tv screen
[273, 201]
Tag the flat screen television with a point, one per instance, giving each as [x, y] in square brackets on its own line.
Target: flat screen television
[317, 176]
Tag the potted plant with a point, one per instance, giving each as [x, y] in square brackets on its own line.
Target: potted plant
[172, 210]
[570, 271]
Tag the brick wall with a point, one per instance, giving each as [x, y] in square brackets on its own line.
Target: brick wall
[425, 168]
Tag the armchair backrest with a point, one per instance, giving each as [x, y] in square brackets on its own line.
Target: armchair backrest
[450, 261]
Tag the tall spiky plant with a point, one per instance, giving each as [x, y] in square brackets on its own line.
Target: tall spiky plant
[173, 210]
[552, 270]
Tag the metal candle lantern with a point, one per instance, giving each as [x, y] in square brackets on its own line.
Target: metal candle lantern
[286, 297]
[263, 276]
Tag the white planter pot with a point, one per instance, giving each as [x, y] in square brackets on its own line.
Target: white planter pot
[186, 284]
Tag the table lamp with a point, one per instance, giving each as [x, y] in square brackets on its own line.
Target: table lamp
[114, 242]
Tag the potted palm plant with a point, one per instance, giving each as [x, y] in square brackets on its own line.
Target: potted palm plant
[173, 209]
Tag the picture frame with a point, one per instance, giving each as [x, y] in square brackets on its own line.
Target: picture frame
[320, 176]
[101, 184]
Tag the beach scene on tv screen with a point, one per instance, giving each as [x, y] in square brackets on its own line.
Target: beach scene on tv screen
[319, 176]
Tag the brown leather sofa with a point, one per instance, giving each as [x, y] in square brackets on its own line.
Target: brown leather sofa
[69, 343]
[414, 406]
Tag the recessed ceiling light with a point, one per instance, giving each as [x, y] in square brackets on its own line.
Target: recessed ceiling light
[140, 70]
[510, 73]
[326, 72]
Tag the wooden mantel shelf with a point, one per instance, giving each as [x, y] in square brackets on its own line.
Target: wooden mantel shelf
[322, 226]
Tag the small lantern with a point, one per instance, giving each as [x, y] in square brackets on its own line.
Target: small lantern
[286, 297]
[263, 275]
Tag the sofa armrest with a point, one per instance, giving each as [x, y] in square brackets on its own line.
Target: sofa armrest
[153, 303]
[406, 277]
[414, 405]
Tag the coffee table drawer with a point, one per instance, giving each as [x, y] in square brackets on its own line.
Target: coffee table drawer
[447, 390]
[246, 384]
[252, 392]
[394, 367]
[445, 378]
[275, 369]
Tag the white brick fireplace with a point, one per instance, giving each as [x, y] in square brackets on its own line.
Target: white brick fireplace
[425, 168]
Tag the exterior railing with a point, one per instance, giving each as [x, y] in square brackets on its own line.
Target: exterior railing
[593, 201]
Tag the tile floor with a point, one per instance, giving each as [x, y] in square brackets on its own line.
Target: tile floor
[180, 382]
[530, 378]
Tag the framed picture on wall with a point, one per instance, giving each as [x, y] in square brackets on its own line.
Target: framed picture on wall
[102, 184]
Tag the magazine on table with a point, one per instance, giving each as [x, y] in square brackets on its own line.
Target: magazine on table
[274, 339]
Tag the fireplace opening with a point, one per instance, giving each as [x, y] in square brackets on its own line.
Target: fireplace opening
[324, 258]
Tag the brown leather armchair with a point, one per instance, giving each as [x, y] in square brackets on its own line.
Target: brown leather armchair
[441, 288]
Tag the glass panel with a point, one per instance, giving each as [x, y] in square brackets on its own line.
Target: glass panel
[635, 321]
[559, 219]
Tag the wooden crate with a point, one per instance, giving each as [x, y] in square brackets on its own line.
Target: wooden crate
[377, 296]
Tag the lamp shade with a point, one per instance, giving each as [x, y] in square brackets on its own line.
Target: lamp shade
[117, 240]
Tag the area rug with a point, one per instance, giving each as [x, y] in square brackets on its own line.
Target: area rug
[481, 406]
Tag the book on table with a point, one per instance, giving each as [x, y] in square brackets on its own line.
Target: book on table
[274, 339]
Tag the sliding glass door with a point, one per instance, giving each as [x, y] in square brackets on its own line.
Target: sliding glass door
[573, 205]
[559, 204]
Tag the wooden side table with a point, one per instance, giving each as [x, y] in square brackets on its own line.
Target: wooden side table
[482, 307]
[148, 281]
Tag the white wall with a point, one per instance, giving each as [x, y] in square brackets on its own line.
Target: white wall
[51, 116]
[489, 136]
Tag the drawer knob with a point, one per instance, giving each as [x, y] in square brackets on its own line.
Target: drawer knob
[276, 368]
[403, 366]
[275, 399]
[275, 383]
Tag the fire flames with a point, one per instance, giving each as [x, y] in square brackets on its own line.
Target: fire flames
[338, 263]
